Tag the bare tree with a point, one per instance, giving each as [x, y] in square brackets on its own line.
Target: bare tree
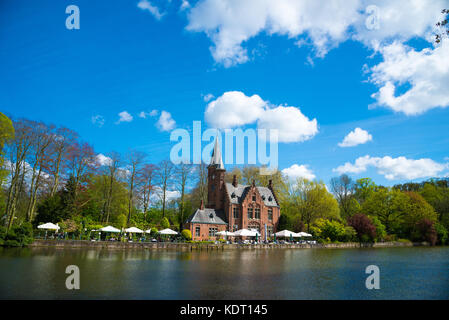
[112, 170]
[18, 149]
[135, 160]
[63, 139]
[165, 177]
[146, 182]
[38, 160]
[183, 174]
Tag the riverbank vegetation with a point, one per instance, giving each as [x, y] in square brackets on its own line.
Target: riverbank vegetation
[48, 174]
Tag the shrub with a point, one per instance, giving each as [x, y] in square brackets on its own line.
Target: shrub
[425, 230]
[186, 234]
[441, 233]
[18, 236]
[153, 231]
[366, 231]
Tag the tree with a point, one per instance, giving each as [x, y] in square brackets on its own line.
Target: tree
[18, 149]
[42, 138]
[343, 189]
[389, 205]
[183, 173]
[366, 231]
[146, 183]
[417, 210]
[165, 175]
[165, 223]
[6, 135]
[425, 231]
[135, 159]
[310, 200]
[363, 188]
[111, 166]
[64, 138]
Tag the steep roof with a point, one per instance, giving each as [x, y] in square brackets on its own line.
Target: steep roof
[238, 194]
[209, 216]
[216, 159]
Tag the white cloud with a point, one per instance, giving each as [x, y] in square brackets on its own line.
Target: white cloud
[165, 122]
[298, 171]
[170, 194]
[98, 120]
[234, 109]
[154, 10]
[184, 5]
[124, 117]
[356, 137]
[103, 160]
[208, 97]
[292, 125]
[399, 168]
[323, 24]
[426, 71]
[144, 114]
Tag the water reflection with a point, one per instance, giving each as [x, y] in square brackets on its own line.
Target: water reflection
[406, 273]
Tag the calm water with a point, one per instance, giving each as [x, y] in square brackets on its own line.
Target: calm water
[406, 273]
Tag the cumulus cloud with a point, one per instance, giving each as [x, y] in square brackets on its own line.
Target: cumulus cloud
[170, 194]
[165, 122]
[399, 168]
[322, 24]
[425, 71]
[103, 160]
[234, 109]
[98, 120]
[356, 137]
[148, 6]
[298, 171]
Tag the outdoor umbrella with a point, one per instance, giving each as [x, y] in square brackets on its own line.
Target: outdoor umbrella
[134, 230]
[109, 229]
[245, 233]
[225, 233]
[284, 234]
[168, 232]
[303, 234]
[49, 226]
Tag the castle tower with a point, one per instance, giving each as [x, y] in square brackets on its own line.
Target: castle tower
[215, 179]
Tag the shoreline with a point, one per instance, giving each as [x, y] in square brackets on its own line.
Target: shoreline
[61, 244]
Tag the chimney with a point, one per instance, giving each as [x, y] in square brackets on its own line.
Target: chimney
[234, 181]
[202, 205]
[270, 184]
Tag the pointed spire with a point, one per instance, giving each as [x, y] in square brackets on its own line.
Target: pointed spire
[216, 159]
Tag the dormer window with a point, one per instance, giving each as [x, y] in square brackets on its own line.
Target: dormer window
[263, 197]
[211, 216]
[270, 198]
[233, 195]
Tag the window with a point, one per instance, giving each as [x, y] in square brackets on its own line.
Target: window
[235, 227]
[250, 213]
[197, 231]
[254, 197]
[212, 232]
[257, 213]
[270, 231]
[270, 214]
[235, 213]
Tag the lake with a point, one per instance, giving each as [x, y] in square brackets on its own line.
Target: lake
[405, 273]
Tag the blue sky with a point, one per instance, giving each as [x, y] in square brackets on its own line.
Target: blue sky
[129, 58]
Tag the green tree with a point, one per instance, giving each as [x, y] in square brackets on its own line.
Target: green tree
[165, 223]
